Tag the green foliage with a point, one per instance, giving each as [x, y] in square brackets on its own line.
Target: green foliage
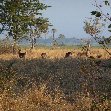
[109, 26]
[96, 13]
[16, 17]
[106, 2]
[104, 16]
[61, 36]
[93, 12]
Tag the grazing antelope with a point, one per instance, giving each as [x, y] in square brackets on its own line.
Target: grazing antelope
[21, 54]
[43, 55]
[99, 56]
[68, 54]
[91, 57]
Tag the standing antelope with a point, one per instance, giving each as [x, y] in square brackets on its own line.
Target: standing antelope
[68, 54]
[91, 57]
[43, 55]
[99, 56]
[21, 54]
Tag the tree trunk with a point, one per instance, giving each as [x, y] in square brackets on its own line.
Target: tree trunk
[53, 40]
[32, 44]
[14, 47]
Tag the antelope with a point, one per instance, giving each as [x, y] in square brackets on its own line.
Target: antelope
[43, 55]
[91, 57]
[99, 56]
[21, 54]
[68, 54]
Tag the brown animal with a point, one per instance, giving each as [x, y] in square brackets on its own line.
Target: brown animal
[99, 56]
[21, 54]
[91, 57]
[43, 55]
[68, 54]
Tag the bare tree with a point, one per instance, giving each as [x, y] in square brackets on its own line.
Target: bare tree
[98, 22]
[53, 36]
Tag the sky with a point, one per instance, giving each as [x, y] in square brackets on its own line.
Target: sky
[68, 16]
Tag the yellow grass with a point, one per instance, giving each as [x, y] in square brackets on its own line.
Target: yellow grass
[60, 53]
[55, 53]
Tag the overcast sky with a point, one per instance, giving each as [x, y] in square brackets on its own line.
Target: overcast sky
[67, 16]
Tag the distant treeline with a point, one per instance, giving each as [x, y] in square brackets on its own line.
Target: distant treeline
[65, 41]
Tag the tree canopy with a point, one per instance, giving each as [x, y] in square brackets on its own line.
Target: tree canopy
[18, 17]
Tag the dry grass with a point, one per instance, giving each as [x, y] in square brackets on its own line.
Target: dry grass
[55, 53]
[55, 83]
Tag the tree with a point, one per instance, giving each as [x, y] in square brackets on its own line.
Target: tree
[61, 37]
[35, 32]
[18, 17]
[100, 20]
[53, 36]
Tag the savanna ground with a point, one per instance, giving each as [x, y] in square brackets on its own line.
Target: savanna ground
[55, 83]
